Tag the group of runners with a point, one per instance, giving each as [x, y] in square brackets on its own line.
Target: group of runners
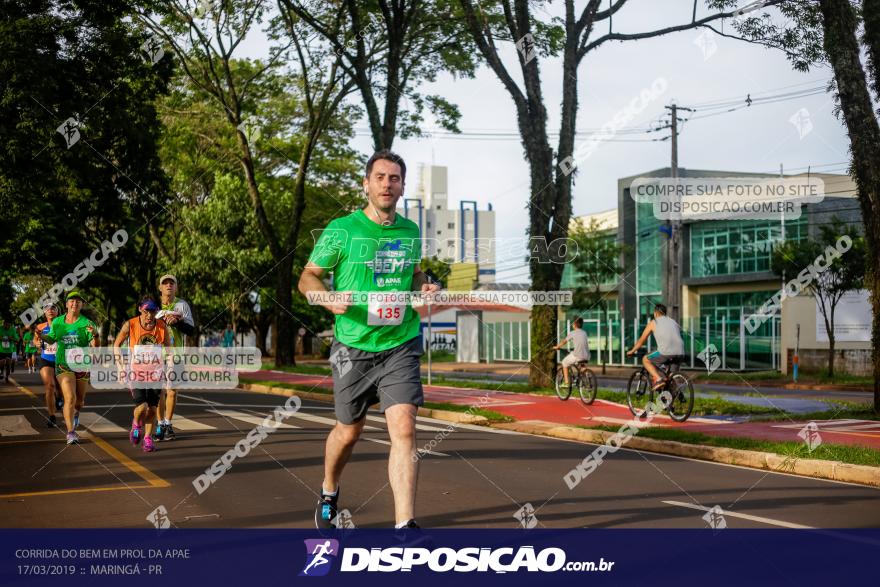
[49, 345]
[375, 356]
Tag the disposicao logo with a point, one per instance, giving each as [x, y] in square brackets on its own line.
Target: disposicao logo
[320, 554]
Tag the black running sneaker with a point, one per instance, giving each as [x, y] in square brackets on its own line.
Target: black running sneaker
[52, 422]
[169, 431]
[411, 525]
[325, 512]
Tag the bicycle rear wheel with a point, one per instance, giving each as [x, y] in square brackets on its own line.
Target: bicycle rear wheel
[638, 393]
[563, 390]
[587, 386]
[682, 397]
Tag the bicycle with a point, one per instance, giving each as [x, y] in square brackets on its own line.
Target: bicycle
[639, 392]
[582, 377]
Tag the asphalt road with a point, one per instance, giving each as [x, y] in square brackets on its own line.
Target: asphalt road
[474, 478]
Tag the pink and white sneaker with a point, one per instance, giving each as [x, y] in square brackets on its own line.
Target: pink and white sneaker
[137, 432]
[148, 444]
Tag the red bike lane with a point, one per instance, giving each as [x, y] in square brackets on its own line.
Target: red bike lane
[573, 412]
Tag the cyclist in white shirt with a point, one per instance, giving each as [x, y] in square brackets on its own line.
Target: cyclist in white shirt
[667, 333]
[581, 350]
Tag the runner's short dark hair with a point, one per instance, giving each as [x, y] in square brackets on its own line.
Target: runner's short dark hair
[660, 308]
[578, 322]
[387, 155]
[146, 298]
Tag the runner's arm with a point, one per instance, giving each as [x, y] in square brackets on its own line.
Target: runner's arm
[117, 344]
[421, 282]
[562, 342]
[185, 323]
[310, 282]
[643, 338]
[49, 336]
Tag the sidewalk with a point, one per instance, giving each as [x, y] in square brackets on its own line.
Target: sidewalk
[548, 409]
[517, 372]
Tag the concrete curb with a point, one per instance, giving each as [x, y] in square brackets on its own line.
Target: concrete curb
[456, 417]
[820, 469]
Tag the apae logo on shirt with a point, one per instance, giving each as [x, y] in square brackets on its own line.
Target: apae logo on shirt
[390, 262]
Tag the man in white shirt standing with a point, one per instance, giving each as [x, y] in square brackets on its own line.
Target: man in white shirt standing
[581, 350]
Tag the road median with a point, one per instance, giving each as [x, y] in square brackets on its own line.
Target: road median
[820, 469]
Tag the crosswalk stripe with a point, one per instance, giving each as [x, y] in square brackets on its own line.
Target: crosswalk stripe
[16, 426]
[418, 426]
[184, 423]
[255, 420]
[324, 420]
[97, 423]
[421, 450]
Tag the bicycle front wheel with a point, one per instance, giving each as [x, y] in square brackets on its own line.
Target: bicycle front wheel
[587, 386]
[638, 393]
[682, 403]
[563, 389]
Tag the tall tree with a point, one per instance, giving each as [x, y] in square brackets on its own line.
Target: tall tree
[828, 32]
[550, 169]
[78, 160]
[204, 37]
[388, 49]
[215, 240]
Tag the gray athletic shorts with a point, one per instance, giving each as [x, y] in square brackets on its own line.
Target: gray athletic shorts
[361, 378]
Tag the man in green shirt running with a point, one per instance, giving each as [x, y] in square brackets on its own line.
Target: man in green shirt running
[375, 356]
[8, 342]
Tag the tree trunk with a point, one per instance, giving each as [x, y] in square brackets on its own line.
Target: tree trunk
[830, 356]
[284, 328]
[261, 330]
[841, 45]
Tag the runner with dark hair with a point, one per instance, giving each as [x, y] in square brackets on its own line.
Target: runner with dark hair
[146, 336]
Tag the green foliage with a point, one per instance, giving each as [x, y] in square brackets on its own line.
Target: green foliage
[845, 273]
[438, 269]
[81, 60]
[215, 240]
[596, 262]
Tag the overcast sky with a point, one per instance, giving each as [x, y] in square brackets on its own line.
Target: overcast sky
[696, 69]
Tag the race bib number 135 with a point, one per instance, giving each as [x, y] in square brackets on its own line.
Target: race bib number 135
[385, 313]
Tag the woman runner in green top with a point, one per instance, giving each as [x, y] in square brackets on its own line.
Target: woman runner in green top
[72, 331]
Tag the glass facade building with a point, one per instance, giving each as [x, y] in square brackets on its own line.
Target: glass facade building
[732, 247]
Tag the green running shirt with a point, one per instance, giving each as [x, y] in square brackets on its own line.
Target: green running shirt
[68, 336]
[8, 339]
[28, 339]
[367, 257]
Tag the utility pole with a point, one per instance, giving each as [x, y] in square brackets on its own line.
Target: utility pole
[673, 252]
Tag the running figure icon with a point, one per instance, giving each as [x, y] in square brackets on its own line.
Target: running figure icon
[320, 550]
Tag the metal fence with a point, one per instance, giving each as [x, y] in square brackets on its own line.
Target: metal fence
[609, 341]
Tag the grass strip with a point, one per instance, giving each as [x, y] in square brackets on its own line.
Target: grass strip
[856, 455]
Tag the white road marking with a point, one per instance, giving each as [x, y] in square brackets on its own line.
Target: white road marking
[16, 426]
[418, 426]
[184, 423]
[421, 450]
[760, 519]
[323, 420]
[255, 420]
[98, 424]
